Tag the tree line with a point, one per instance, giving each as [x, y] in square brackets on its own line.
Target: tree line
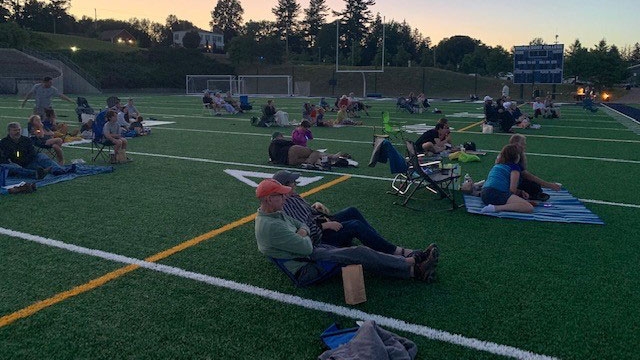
[306, 36]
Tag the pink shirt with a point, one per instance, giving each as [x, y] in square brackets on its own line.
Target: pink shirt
[300, 135]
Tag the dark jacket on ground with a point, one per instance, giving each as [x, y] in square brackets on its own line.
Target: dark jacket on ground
[279, 151]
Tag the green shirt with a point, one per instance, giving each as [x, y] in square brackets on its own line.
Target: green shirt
[277, 238]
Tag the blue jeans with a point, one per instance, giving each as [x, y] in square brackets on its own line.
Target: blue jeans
[44, 161]
[354, 225]
[383, 264]
[17, 170]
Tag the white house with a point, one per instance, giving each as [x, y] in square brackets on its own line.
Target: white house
[214, 40]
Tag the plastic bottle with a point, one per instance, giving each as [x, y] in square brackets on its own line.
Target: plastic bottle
[467, 177]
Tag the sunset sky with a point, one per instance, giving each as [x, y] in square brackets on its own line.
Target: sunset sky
[494, 22]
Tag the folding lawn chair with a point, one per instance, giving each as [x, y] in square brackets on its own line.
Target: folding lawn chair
[43, 148]
[330, 269]
[420, 175]
[389, 127]
[244, 103]
[99, 142]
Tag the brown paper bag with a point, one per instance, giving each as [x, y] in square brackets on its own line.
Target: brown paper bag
[353, 283]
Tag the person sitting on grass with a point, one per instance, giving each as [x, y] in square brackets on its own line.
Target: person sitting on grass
[433, 141]
[19, 171]
[113, 136]
[19, 150]
[228, 98]
[138, 127]
[342, 117]
[44, 138]
[500, 191]
[285, 152]
[530, 183]
[217, 99]
[208, 103]
[301, 134]
[130, 110]
[282, 237]
[337, 229]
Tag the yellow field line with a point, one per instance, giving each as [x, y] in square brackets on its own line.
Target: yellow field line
[470, 126]
[95, 283]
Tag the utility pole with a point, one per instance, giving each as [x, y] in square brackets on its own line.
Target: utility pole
[95, 19]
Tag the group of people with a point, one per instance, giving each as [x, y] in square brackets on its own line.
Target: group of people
[217, 103]
[413, 104]
[505, 114]
[303, 236]
[545, 108]
[510, 186]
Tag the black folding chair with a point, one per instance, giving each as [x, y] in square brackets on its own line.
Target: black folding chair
[424, 175]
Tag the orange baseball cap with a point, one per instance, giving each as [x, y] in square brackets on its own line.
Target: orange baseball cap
[269, 187]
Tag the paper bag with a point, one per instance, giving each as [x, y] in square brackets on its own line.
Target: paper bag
[353, 283]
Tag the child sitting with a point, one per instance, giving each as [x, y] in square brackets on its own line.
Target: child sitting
[500, 191]
[301, 134]
[138, 128]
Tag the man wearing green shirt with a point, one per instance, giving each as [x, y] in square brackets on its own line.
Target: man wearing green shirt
[282, 237]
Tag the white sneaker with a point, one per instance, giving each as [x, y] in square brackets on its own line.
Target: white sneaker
[488, 209]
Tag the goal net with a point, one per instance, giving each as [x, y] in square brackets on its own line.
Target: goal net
[265, 85]
[197, 84]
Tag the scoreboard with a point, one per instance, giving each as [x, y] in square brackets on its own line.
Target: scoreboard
[540, 64]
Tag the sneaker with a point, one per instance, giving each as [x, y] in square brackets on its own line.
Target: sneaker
[488, 209]
[542, 197]
[426, 270]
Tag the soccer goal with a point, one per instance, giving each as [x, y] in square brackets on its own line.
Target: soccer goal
[278, 85]
[197, 84]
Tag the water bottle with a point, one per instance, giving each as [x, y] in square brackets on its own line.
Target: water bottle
[467, 178]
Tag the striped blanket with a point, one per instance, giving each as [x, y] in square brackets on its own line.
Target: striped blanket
[561, 207]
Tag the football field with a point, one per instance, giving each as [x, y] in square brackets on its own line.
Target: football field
[159, 260]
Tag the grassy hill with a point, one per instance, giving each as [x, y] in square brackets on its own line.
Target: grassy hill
[65, 42]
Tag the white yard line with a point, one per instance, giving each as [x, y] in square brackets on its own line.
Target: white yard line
[421, 330]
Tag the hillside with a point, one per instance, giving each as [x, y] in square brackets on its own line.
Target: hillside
[65, 42]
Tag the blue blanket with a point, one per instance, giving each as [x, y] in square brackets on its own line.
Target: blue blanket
[81, 170]
[561, 207]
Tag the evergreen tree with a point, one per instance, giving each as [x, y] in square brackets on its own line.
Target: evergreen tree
[227, 17]
[5, 12]
[354, 19]
[286, 13]
[314, 19]
[634, 58]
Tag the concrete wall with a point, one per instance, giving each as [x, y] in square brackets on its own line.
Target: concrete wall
[73, 83]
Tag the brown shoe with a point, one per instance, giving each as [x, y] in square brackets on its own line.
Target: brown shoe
[426, 270]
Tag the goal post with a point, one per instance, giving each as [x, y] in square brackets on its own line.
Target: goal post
[197, 84]
[278, 85]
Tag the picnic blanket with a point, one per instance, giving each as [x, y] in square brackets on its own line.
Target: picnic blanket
[561, 207]
[81, 170]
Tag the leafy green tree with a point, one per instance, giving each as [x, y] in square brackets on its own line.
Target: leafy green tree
[191, 39]
[450, 51]
[5, 12]
[536, 41]
[227, 18]
[314, 18]
[11, 35]
[372, 49]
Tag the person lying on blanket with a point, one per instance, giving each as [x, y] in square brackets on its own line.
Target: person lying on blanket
[528, 181]
[500, 191]
[285, 152]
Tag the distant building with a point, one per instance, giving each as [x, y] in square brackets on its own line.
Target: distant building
[211, 39]
[120, 36]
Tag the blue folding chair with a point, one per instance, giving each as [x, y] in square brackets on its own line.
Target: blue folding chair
[244, 103]
[99, 142]
[329, 270]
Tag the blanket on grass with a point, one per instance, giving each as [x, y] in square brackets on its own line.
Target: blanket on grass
[81, 170]
[561, 207]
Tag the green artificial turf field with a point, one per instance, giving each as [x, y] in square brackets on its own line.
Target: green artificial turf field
[527, 288]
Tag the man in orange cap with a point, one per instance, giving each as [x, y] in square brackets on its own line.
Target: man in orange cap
[282, 237]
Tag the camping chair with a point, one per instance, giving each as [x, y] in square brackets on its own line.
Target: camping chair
[389, 127]
[420, 175]
[244, 103]
[98, 137]
[330, 268]
[43, 148]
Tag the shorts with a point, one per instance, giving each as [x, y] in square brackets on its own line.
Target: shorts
[494, 197]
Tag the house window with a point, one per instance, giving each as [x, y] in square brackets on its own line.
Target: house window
[176, 37]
